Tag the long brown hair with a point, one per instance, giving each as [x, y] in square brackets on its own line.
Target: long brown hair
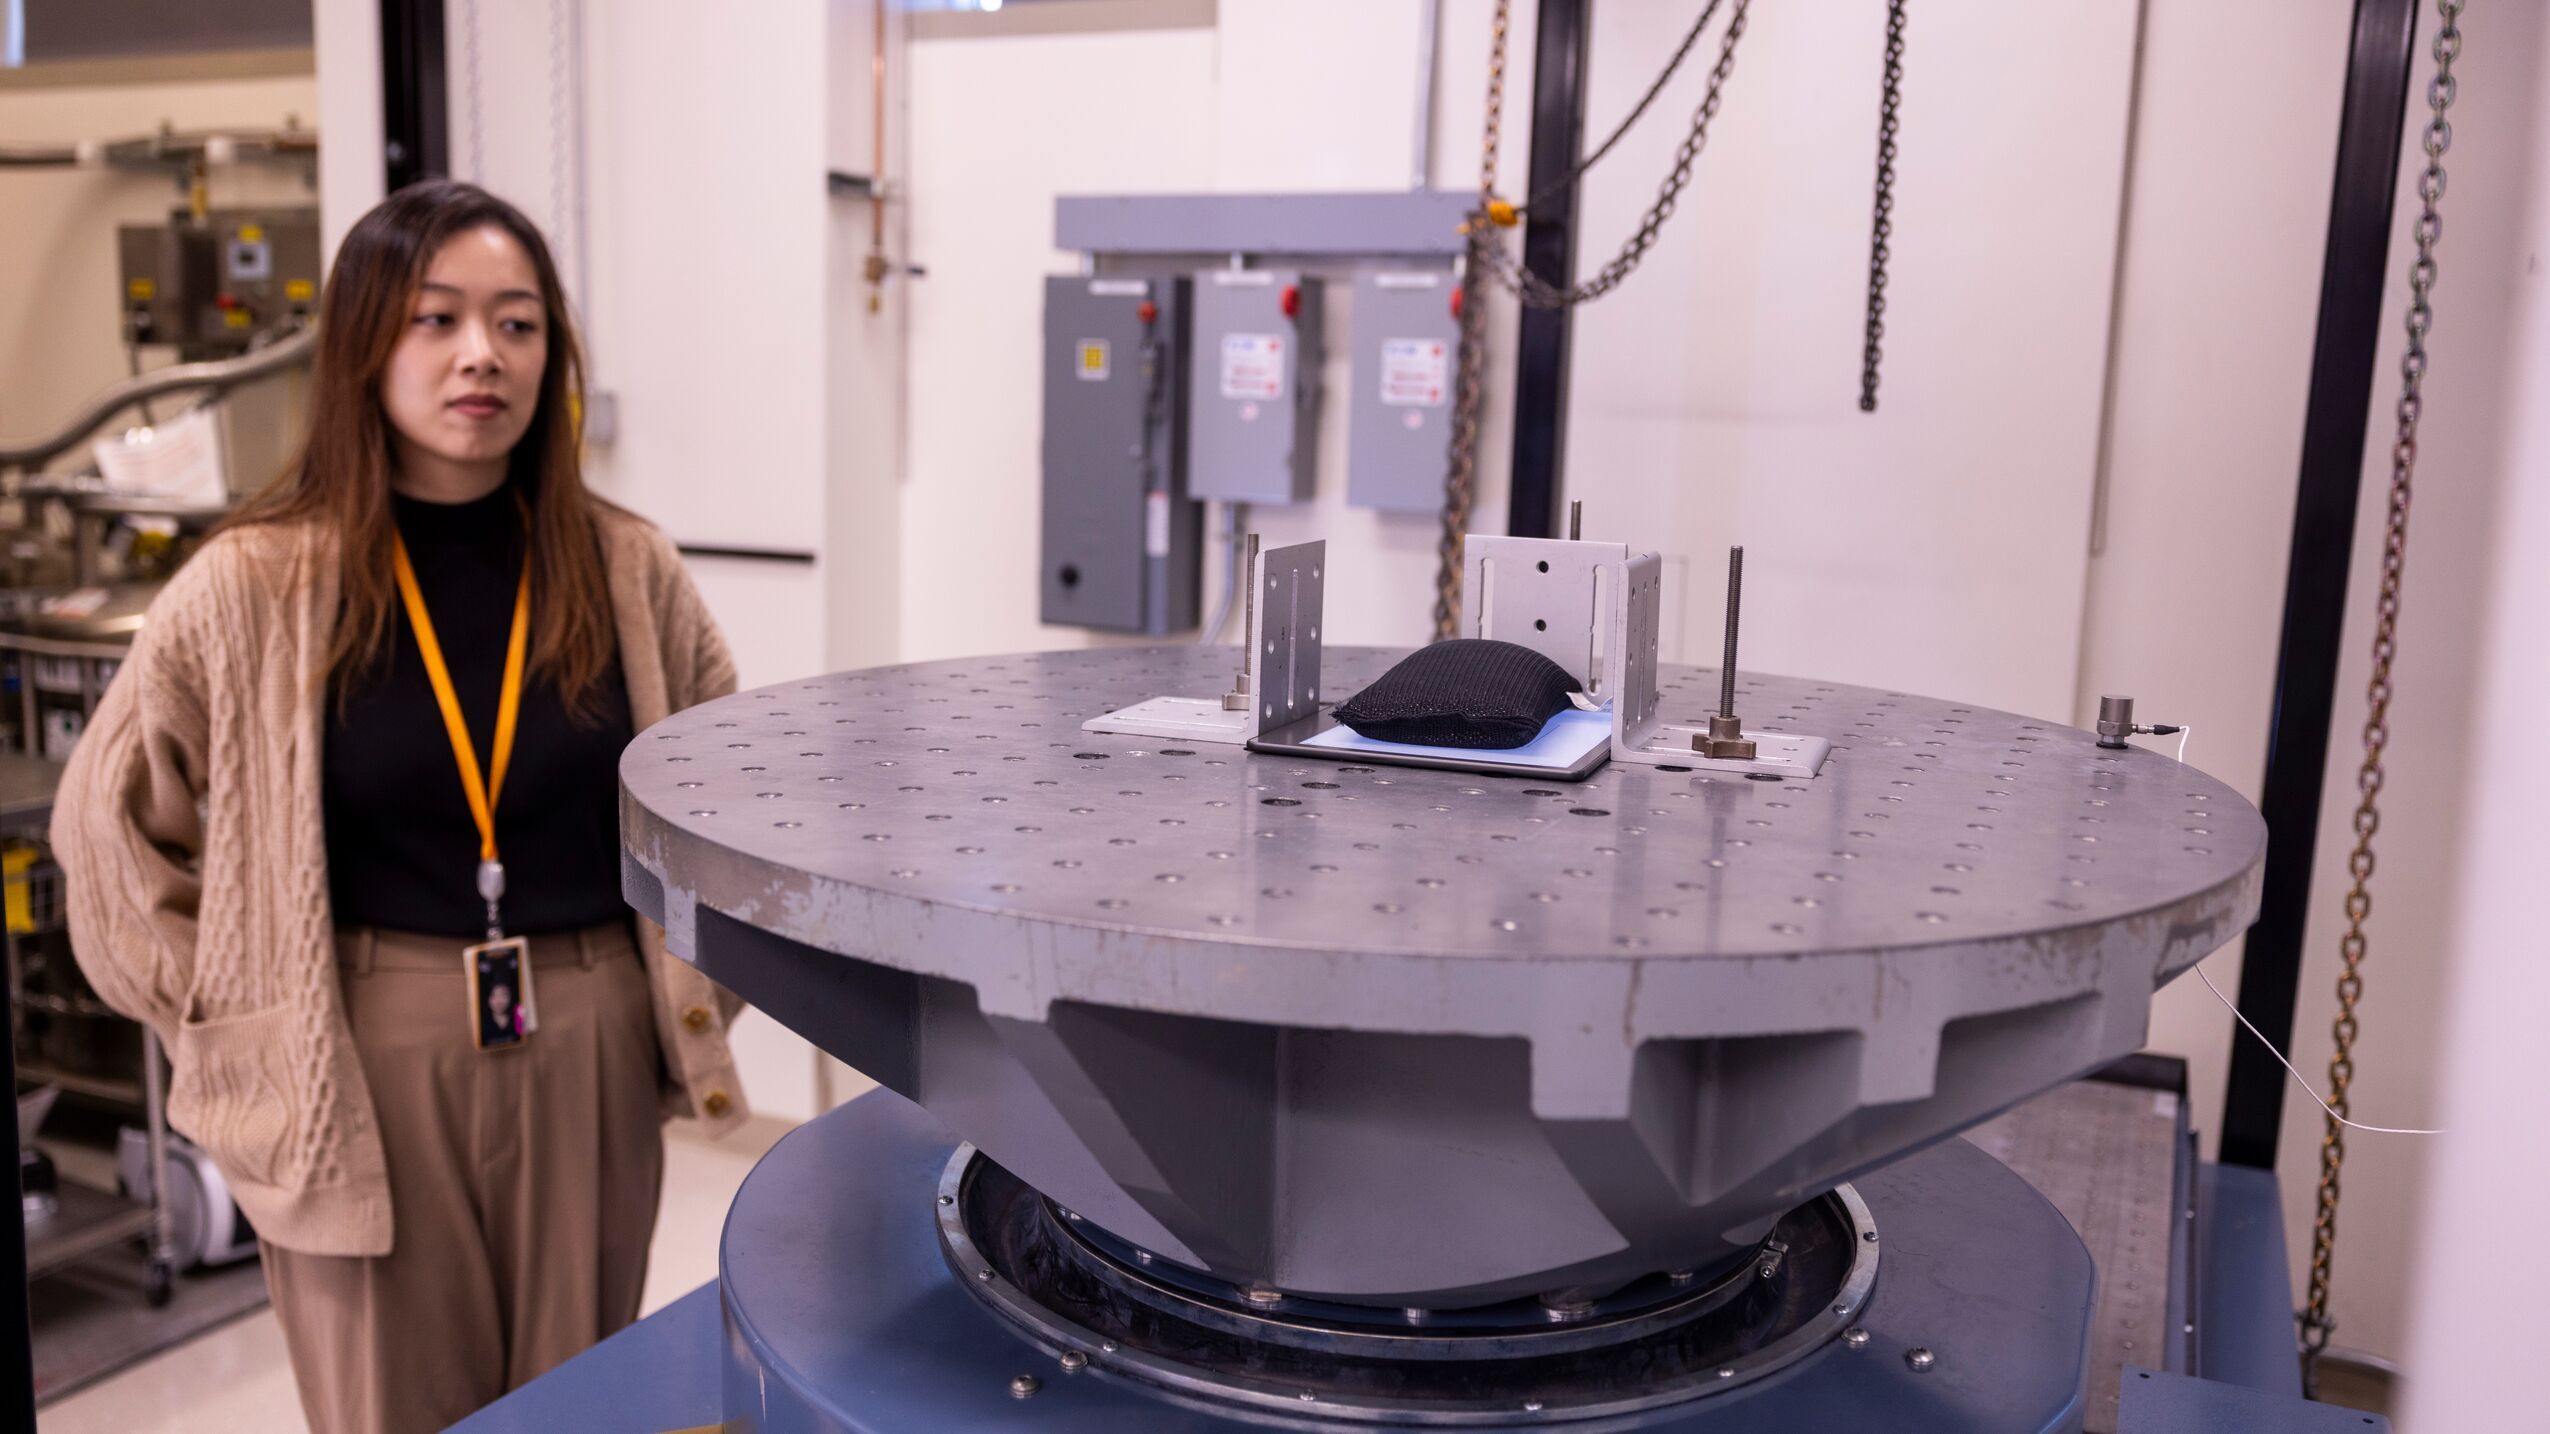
[341, 477]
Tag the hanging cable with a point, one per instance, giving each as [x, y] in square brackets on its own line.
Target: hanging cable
[2297, 1075]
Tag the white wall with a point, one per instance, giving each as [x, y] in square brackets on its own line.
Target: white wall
[1750, 381]
[346, 37]
[1313, 94]
[982, 186]
[1938, 544]
[2220, 287]
[2472, 1366]
[61, 308]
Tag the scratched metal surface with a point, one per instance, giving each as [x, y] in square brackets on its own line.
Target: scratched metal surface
[853, 810]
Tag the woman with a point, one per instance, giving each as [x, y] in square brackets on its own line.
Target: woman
[293, 830]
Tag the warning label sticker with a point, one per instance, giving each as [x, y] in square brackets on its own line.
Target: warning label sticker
[1415, 373]
[1093, 359]
[1253, 366]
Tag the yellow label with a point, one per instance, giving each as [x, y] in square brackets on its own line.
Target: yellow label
[235, 318]
[14, 866]
[140, 289]
[299, 290]
[252, 233]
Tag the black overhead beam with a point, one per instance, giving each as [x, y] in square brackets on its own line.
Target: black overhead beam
[2351, 278]
[1549, 250]
[415, 98]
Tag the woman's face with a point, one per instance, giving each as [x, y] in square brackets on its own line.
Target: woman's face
[464, 379]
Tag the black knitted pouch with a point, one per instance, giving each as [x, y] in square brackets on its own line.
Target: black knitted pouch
[1467, 692]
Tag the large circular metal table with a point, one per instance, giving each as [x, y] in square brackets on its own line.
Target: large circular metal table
[1402, 1037]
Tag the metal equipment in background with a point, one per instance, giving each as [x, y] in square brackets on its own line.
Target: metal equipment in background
[86, 562]
[216, 286]
[1122, 537]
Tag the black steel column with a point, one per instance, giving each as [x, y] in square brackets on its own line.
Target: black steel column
[2351, 278]
[415, 99]
[1549, 250]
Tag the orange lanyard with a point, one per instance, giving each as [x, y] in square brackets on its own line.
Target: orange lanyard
[482, 792]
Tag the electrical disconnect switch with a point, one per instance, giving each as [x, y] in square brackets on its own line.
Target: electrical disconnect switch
[1407, 339]
[1122, 538]
[1253, 386]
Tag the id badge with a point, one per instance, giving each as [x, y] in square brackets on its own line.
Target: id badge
[500, 1000]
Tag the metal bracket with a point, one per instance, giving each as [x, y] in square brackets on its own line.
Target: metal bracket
[1639, 734]
[1598, 612]
[1546, 594]
[1278, 681]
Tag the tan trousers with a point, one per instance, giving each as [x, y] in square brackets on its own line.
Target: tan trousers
[523, 1182]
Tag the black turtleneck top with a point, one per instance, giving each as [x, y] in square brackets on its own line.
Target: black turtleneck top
[402, 847]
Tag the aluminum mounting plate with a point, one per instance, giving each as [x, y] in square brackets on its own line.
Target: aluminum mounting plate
[1178, 719]
[1775, 754]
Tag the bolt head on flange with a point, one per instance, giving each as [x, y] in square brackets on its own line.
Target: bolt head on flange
[1725, 740]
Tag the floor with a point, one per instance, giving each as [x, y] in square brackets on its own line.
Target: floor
[236, 1379]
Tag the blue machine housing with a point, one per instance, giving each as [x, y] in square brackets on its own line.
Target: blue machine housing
[836, 1312]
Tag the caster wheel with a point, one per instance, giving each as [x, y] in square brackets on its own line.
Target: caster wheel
[162, 1284]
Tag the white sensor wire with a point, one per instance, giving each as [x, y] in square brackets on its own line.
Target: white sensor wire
[2185, 731]
[2297, 1075]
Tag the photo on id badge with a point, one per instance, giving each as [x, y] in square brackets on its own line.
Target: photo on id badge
[498, 994]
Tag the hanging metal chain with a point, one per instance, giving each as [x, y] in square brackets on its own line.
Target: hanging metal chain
[1569, 180]
[1469, 389]
[2315, 1322]
[1882, 227]
[1536, 292]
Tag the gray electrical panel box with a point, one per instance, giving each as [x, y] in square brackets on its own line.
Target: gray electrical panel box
[1121, 536]
[1253, 386]
[1407, 348]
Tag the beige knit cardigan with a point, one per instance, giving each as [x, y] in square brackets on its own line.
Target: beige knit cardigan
[189, 826]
